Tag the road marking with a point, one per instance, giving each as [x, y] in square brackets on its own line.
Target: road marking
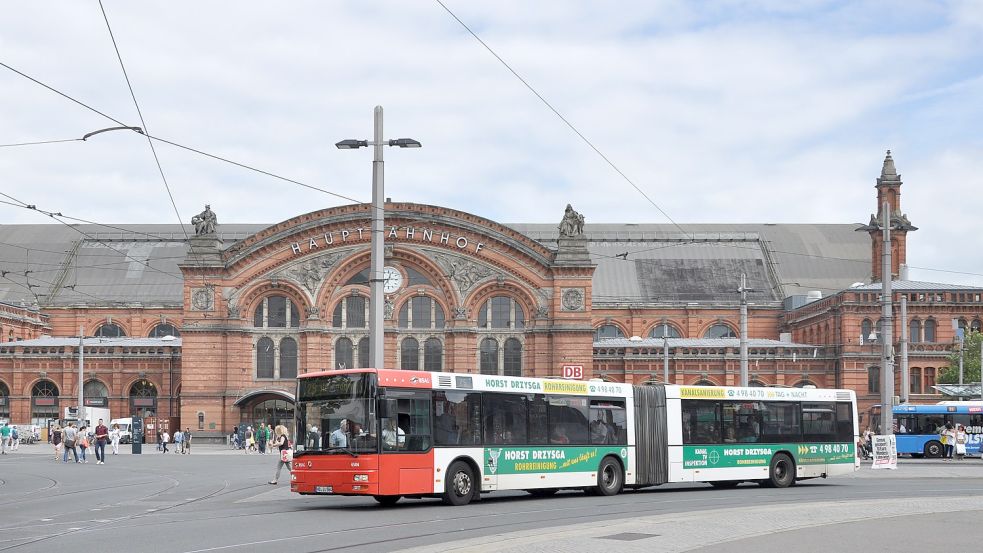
[47, 519]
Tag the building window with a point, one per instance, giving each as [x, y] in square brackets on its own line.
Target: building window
[265, 356]
[659, 331]
[930, 330]
[95, 389]
[873, 380]
[164, 329]
[276, 312]
[513, 357]
[288, 358]
[976, 325]
[44, 402]
[803, 383]
[4, 401]
[703, 382]
[110, 330]
[607, 332]
[915, 380]
[720, 330]
[409, 354]
[757, 384]
[351, 313]
[915, 331]
[363, 353]
[421, 312]
[929, 378]
[866, 330]
[343, 354]
[488, 353]
[501, 312]
[433, 355]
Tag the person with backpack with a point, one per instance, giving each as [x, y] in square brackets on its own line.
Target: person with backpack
[14, 439]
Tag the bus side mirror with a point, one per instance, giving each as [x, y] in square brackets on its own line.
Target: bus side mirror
[387, 409]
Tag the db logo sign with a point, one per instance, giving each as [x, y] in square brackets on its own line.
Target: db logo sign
[573, 372]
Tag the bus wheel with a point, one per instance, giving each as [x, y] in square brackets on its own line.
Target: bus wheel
[725, 484]
[610, 477]
[459, 485]
[387, 500]
[781, 474]
[933, 449]
[543, 492]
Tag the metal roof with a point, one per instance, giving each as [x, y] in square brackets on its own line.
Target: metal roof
[697, 343]
[56, 342]
[914, 285]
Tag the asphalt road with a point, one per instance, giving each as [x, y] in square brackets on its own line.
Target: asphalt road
[217, 500]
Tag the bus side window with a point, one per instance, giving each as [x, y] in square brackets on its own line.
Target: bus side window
[608, 422]
[701, 421]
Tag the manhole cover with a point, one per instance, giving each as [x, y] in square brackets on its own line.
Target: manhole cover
[628, 536]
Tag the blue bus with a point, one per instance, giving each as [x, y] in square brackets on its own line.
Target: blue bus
[918, 426]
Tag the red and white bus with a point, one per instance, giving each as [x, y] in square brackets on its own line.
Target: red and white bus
[391, 434]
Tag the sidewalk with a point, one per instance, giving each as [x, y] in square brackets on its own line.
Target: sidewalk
[40, 448]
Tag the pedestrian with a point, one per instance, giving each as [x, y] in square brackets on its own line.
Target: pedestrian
[249, 439]
[261, 438]
[68, 437]
[164, 439]
[4, 438]
[14, 439]
[83, 442]
[282, 442]
[187, 441]
[101, 437]
[160, 439]
[178, 441]
[114, 437]
[56, 441]
[949, 437]
[960, 442]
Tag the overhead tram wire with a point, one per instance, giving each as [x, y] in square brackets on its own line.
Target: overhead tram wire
[562, 118]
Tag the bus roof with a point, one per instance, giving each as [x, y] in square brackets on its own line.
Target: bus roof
[968, 407]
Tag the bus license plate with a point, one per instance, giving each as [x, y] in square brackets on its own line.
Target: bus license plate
[323, 489]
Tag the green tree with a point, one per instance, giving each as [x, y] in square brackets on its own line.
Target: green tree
[971, 361]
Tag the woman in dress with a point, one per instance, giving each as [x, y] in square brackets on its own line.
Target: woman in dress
[282, 442]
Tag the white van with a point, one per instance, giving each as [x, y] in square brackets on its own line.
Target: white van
[125, 430]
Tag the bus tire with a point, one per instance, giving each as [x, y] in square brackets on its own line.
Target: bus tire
[781, 472]
[459, 485]
[387, 500]
[934, 449]
[610, 477]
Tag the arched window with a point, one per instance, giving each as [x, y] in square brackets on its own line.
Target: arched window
[607, 332]
[488, 353]
[704, 382]
[421, 312]
[44, 388]
[866, 329]
[976, 325]
[351, 313]
[659, 330]
[513, 357]
[94, 388]
[343, 354]
[288, 358]
[433, 355]
[501, 312]
[164, 329]
[720, 330]
[915, 331]
[757, 384]
[110, 330]
[962, 324]
[4, 401]
[44, 402]
[409, 354]
[930, 330]
[143, 388]
[265, 356]
[276, 312]
[803, 383]
[363, 353]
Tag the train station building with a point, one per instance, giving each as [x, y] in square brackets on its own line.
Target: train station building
[210, 325]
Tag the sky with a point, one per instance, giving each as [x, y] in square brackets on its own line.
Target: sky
[733, 111]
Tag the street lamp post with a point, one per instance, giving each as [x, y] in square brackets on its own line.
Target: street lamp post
[376, 300]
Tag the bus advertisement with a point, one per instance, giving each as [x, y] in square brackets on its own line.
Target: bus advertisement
[919, 427]
[391, 434]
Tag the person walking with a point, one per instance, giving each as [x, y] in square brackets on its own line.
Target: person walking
[4, 438]
[114, 437]
[56, 440]
[949, 436]
[179, 441]
[261, 438]
[164, 439]
[249, 439]
[282, 442]
[187, 441]
[101, 437]
[83, 442]
[68, 437]
[160, 439]
[14, 439]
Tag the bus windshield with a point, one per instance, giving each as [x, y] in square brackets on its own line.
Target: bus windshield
[336, 415]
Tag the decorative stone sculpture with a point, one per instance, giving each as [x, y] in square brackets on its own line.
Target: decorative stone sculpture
[572, 224]
[205, 222]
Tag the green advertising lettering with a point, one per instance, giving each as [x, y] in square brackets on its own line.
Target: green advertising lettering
[527, 460]
[753, 455]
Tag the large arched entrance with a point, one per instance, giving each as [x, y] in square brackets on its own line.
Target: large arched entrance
[270, 407]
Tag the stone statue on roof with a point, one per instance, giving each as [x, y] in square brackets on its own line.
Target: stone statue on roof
[205, 222]
[572, 225]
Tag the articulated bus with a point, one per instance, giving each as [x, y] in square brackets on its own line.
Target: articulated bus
[919, 426]
[391, 434]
